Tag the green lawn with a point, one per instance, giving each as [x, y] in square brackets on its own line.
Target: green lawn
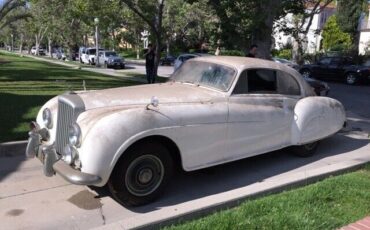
[329, 204]
[26, 84]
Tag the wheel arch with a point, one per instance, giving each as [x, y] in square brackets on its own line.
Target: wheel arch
[163, 140]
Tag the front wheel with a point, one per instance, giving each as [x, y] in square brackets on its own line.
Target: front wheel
[305, 150]
[351, 78]
[141, 175]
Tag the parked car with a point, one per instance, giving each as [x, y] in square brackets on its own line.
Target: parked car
[111, 59]
[87, 55]
[286, 62]
[337, 68]
[41, 51]
[184, 57]
[58, 53]
[214, 110]
[167, 60]
[320, 88]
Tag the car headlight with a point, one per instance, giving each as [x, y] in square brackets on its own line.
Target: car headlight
[47, 118]
[75, 135]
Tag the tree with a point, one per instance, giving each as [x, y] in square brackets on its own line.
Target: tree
[151, 12]
[189, 25]
[303, 12]
[9, 6]
[334, 37]
[349, 14]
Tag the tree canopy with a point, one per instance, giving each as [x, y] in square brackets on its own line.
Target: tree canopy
[333, 37]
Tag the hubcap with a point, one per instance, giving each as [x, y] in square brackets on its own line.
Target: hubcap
[351, 79]
[144, 175]
[306, 74]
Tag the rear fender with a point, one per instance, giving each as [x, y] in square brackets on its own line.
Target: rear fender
[316, 118]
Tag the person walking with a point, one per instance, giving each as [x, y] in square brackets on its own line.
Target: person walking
[252, 51]
[149, 64]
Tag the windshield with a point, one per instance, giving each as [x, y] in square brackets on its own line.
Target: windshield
[91, 51]
[205, 74]
[110, 54]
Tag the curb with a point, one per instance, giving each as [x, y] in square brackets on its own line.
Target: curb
[234, 203]
[297, 181]
[14, 148]
[136, 62]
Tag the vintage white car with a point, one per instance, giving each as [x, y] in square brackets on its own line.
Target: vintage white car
[212, 111]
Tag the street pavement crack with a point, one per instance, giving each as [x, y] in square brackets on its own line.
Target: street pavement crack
[102, 214]
[30, 192]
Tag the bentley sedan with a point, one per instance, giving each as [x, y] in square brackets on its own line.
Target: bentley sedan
[213, 110]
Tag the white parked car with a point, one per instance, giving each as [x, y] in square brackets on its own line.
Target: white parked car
[214, 110]
[88, 55]
[41, 51]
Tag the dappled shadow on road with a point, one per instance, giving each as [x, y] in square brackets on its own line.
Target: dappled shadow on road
[188, 186]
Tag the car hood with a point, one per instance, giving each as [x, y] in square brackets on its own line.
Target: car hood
[167, 93]
[115, 58]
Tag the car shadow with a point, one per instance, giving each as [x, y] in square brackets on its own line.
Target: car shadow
[188, 186]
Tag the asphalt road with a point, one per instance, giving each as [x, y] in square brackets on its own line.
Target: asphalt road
[354, 98]
[29, 200]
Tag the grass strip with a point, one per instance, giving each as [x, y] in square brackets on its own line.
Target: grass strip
[26, 84]
[329, 204]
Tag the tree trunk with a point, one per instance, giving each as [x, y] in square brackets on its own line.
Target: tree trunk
[37, 41]
[158, 33]
[21, 44]
[49, 46]
[263, 37]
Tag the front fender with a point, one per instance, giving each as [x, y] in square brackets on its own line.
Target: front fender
[316, 118]
[107, 136]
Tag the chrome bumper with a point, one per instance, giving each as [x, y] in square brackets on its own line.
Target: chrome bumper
[52, 162]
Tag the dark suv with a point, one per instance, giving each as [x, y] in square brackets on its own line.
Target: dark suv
[337, 68]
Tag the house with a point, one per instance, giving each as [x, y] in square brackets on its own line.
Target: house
[314, 38]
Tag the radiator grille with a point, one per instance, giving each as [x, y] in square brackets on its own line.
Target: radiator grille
[65, 119]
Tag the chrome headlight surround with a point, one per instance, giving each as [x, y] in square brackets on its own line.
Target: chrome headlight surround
[47, 118]
[70, 155]
[74, 135]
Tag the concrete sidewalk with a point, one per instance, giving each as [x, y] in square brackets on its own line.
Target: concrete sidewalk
[363, 224]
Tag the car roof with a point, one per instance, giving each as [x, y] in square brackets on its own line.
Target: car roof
[242, 63]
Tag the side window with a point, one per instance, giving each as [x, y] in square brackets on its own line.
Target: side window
[336, 61]
[241, 86]
[325, 61]
[286, 84]
[262, 81]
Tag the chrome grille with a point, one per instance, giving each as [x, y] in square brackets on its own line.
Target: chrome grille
[69, 107]
[65, 119]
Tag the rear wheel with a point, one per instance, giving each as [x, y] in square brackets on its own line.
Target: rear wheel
[141, 175]
[351, 78]
[305, 150]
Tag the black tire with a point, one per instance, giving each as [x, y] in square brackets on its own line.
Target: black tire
[306, 73]
[122, 66]
[351, 78]
[141, 174]
[305, 150]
